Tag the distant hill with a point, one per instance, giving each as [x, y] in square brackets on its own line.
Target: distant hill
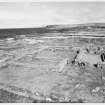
[84, 29]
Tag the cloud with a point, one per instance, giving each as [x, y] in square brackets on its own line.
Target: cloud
[14, 15]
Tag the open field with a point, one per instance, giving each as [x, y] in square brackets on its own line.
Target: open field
[42, 66]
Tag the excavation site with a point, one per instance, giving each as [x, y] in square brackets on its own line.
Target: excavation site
[53, 64]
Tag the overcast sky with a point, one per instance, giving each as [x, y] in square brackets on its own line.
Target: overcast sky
[13, 15]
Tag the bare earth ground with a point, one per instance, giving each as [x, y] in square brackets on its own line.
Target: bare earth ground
[42, 71]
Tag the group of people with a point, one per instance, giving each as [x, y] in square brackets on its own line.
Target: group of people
[91, 55]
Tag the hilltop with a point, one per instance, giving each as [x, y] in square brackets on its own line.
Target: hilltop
[97, 29]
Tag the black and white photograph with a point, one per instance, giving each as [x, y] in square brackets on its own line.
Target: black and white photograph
[52, 52]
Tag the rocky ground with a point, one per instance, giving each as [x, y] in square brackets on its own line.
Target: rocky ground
[43, 69]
